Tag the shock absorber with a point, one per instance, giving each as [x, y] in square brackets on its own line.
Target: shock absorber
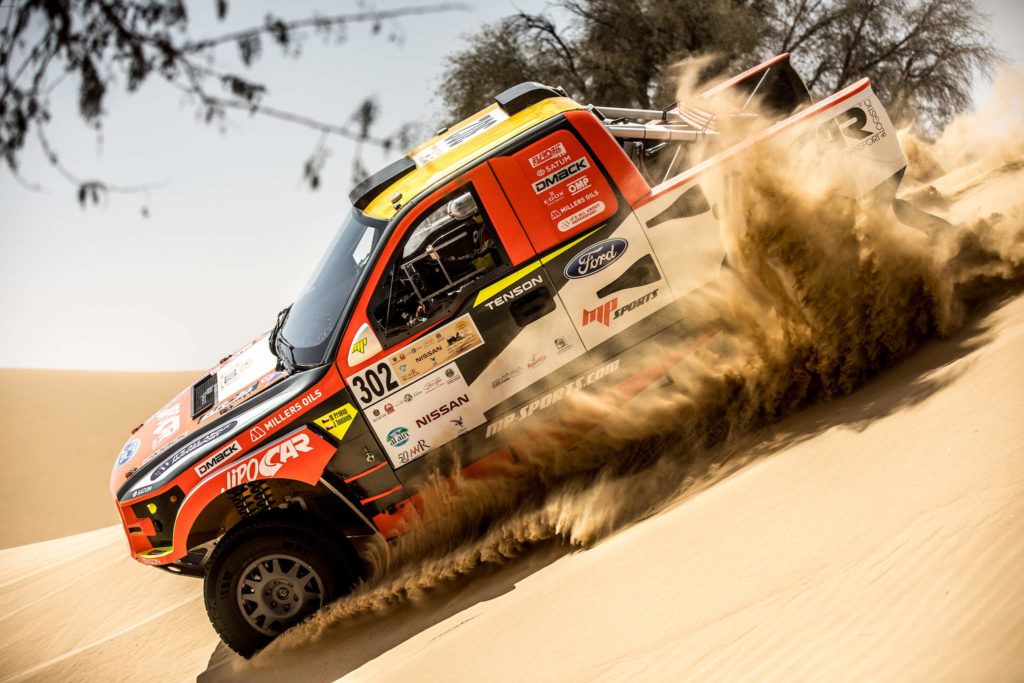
[261, 495]
[238, 497]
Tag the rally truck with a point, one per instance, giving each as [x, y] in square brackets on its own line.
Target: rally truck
[524, 255]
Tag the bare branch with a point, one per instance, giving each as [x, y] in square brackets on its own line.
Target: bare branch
[275, 27]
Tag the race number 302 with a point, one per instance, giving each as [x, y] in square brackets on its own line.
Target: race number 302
[375, 382]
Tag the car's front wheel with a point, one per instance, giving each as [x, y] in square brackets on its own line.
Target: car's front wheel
[269, 575]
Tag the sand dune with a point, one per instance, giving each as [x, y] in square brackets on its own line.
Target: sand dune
[869, 538]
[879, 536]
[60, 432]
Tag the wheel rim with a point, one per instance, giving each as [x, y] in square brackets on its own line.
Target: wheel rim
[276, 591]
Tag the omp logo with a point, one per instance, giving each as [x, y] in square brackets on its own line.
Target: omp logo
[595, 258]
[268, 462]
[577, 186]
[551, 152]
[359, 346]
[601, 314]
[220, 456]
[560, 175]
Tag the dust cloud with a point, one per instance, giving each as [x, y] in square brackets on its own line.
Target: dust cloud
[822, 293]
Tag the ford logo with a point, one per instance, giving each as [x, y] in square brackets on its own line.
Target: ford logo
[127, 452]
[596, 257]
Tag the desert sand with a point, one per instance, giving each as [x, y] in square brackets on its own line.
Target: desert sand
[878, 536]
[872, 538]
[60, 432]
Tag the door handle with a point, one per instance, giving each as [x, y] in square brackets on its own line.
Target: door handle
[533, 305]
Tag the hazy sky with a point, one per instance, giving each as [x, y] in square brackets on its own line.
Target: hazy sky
[232, 231]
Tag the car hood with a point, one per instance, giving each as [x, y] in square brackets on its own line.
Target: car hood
[239, 377]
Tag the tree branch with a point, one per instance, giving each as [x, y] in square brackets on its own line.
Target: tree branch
[322, 22]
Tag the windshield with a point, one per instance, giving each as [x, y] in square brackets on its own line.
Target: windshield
[310, 325]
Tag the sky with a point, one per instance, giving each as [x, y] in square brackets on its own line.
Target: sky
[232, 231]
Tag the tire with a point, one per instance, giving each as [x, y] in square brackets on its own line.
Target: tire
[269, 575]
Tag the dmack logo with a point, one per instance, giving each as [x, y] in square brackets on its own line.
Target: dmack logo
[269, 462]
[596, 257]
[560, 175]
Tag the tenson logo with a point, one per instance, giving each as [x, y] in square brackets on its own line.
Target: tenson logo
[596, 257]
[443, 410]
[560, 175]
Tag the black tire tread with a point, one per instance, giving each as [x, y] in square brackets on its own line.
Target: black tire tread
[303, 529]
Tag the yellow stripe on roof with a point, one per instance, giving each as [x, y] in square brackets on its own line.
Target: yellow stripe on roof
[414, 182]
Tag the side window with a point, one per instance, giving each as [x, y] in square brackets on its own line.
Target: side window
[449, 249]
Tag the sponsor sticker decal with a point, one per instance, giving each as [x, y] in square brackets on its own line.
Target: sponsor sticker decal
[398, 436]
[580, 217]
[601, 314]
[130, 449]
[610, 310]
[596, 258]
[168, 423]
[448, 343]
[337, 422]
[267, 463]
[409, 454]
[282, 416]
[515, 292]
[191, 447]
[550, 399]
[229, 451]
[359, 346]
[555, 150]
[442, 410]
[561, 175]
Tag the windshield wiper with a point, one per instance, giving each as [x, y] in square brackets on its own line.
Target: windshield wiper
[286, 361]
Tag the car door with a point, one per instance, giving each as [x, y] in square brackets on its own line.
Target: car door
[457, 317]
[607, 275]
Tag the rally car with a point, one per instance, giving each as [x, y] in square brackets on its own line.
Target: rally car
[523, 256]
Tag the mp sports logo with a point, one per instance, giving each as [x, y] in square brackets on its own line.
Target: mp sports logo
[601, 314]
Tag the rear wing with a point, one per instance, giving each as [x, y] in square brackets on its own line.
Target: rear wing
[774, 85]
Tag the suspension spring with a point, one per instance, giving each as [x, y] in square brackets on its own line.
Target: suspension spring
[238, 497]
[261, 495]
